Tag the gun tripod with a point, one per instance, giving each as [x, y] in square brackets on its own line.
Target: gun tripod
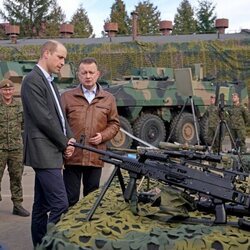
[222, 124]
[220, 129]
[116, 171]
[129, 192]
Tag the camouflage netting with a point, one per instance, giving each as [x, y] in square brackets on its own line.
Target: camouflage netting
[226, 60]
[114, 226]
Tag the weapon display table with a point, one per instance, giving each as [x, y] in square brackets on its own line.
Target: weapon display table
[113, 226]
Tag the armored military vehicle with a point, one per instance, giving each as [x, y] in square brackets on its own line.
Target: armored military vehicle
[154, 103]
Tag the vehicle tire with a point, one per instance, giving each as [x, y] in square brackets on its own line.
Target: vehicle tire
[184, 129]
[150, 128]
[122, 140]
[204, 130]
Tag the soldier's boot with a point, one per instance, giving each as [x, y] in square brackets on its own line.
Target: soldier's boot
[19, 210]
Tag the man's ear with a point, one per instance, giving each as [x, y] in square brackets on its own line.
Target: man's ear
[46, 54]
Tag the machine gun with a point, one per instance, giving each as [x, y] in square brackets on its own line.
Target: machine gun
[218, 188]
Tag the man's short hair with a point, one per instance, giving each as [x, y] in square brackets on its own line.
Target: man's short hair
[88, 60]
[50, 45]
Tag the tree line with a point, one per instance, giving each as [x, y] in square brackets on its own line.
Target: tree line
[38, 18]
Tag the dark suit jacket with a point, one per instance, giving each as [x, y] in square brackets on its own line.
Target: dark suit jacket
[44, 140]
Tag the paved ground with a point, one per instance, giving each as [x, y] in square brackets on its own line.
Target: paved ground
[15, 230]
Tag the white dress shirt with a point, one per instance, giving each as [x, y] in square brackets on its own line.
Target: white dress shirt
[89, 94]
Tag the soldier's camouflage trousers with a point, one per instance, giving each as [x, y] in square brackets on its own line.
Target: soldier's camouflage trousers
[240, 135]
[12, 159]
[211, 133]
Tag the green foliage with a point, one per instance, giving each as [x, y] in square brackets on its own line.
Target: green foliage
[184, 21]
[29, 14]
[206, 17]
[2, 32]
[148, 18]
[56, 17]
[119, 15]
[82, 25]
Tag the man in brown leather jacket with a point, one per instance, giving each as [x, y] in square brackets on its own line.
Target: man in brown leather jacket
[92, 115]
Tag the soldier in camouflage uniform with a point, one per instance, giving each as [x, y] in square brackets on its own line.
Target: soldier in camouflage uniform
[11, 146]
[212, 114]
[238, 119]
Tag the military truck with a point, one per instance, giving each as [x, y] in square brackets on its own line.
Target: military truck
[154, 103]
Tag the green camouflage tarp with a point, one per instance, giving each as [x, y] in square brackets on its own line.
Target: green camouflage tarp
[114, 226]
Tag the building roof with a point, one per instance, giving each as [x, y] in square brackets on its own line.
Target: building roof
[244, 34]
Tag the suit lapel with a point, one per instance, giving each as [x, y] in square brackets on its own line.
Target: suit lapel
[47, 84]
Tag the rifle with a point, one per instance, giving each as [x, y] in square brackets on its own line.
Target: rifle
[218, 188]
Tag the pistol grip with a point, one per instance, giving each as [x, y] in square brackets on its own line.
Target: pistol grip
[220, 214]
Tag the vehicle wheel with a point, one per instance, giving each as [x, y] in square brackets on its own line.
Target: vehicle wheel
[122, 140]
[184, 129]
[204, 130]
[150, 128]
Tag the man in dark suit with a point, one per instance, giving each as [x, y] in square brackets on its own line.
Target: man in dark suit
[47, 138]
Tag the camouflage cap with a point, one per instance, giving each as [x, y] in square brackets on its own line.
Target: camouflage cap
[235, 94]
[6, 83]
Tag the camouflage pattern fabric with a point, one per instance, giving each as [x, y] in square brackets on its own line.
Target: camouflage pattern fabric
[233, 161]
[13, 159]
[225, 59]
[246, 161]
[11, 124]
[212, 114]
[114, 226]
[238, 120]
